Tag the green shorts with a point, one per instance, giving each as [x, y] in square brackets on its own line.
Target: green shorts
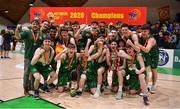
[115, 79]
[103, 64]
[63, 78]
[43, 70]
[154, 61]
[146, 58]
[91, 74]
[133, 82]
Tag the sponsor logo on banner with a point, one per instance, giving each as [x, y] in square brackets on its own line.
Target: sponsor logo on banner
[134, 14]
[163, 58]
[166, 58]
[176, 63]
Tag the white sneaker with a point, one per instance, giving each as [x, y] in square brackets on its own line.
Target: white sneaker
[97, 94]
[141, 94]
[119, 95]
[153, 89]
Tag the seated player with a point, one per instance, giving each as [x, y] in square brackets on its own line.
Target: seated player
[68, 69]
[40, 66]
[136, 70]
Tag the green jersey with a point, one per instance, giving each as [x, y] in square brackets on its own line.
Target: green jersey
[30, 43]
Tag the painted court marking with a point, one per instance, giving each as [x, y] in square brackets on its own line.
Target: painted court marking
[20, 66]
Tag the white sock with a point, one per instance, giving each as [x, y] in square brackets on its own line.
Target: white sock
[98, 87]
[80, 89]
[144, 94]
[73, 85]
[120, 88]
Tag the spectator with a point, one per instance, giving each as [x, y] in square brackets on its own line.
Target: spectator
[1, 45]
[6, 43]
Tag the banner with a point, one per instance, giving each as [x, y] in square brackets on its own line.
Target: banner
[59, 14]
[176, 59]
[164, 13]
[166, 58]
[129, 15]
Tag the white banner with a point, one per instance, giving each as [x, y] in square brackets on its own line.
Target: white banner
[166, 58]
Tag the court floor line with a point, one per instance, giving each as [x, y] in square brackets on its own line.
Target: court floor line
[11, 78]
[169, 80]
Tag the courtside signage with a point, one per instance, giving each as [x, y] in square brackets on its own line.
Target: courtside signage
[166, 58]
[176, 61]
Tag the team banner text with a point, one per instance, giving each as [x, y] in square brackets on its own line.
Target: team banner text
[84, 15]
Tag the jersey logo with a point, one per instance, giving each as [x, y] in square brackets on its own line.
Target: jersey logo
[163, 58]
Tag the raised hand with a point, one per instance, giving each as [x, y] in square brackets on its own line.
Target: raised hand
[18, 26]
[41, 51]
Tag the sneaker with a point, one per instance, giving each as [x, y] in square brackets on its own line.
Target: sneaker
[141, 94]
[45, 88]
[73, 92]
[119, 95]
[52, 85]
[26, 92]
[36, 94]
[146, 100]
[79, 93]
[153, 89]
[97, 94]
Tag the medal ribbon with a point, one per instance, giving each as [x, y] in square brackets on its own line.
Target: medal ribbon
[35, 37]
[84, 62]
[46, 58]
[132, 60]
[71, 60]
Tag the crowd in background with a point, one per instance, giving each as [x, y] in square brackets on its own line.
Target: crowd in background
[167, 34]
[7, 42]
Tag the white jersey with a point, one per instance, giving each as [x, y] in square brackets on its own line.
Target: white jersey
[1, 40]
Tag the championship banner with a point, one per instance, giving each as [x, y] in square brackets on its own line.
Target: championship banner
[84, 15]
[59, 14]
[129, 15]
[164, 13]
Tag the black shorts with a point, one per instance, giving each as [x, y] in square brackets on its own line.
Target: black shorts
[1, 47]
[7, 46]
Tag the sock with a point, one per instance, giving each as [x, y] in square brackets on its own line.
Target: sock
[80, 89]
[153, 85]
[98, 87]
[120, 88]
[73, 85]
[144, 94]
[36, 91]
